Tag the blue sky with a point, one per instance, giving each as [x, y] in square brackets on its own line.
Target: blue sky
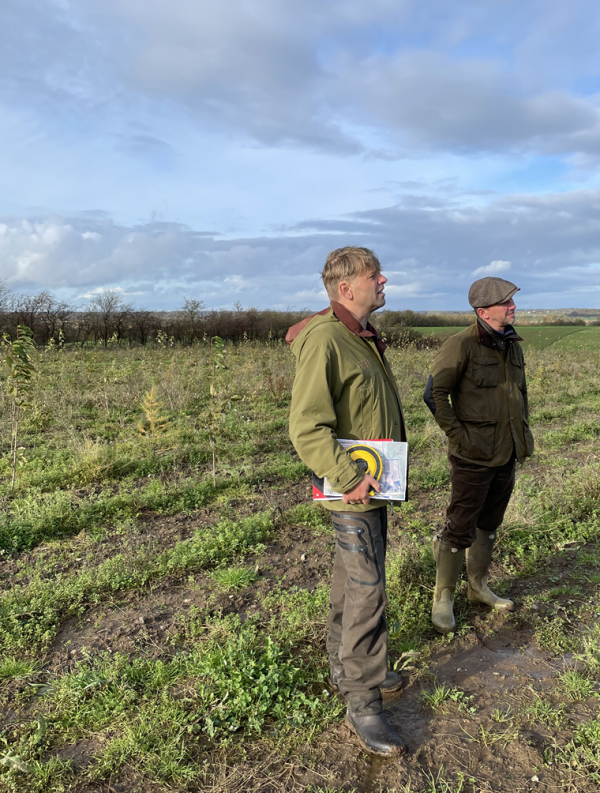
[195, 148]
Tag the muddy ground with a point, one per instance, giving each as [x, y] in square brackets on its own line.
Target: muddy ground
[496, 663]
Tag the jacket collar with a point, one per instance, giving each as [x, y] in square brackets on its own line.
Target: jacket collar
[354, 326]
[346, 318]
[486, 334]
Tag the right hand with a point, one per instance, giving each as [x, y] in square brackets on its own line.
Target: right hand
[360, 493]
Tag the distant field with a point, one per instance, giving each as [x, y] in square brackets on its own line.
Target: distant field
[538, 338]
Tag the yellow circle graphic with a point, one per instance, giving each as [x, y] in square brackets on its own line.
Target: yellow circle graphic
[372, 458]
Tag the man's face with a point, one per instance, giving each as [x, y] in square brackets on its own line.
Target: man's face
[367, 290]
[500, 315]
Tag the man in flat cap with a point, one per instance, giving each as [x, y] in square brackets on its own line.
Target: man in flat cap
[478, 394]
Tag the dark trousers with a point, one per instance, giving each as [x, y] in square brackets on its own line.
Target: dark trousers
[478, 500]
[358, 639]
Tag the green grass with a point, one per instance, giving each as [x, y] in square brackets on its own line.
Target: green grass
[540, 337]
[106, 521]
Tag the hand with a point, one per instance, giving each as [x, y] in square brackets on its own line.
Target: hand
[360, 493]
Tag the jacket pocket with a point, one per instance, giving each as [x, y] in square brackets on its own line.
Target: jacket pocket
[486, 372]
[366, 409]
[477, 439]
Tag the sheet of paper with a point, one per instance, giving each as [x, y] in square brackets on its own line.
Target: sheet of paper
[393, 479]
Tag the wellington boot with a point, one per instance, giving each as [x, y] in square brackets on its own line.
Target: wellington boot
[479, 557]
[376, 735]
[449, 562]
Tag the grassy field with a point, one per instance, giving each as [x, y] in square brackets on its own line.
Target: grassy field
[161, 632]
[542, 336]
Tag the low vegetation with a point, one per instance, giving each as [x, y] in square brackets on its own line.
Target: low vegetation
[162, 628]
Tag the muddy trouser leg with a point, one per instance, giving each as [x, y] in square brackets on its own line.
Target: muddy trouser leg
[357, 626]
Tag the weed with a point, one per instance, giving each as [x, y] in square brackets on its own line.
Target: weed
[581, 755]
[544, 711]
[575, 685]
[502, 716]
[440, 783]
[21, 369]
[234, 578]
[18, 669]
[154, 418]
[441, 695]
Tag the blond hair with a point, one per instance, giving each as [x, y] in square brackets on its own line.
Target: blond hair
[345, 264]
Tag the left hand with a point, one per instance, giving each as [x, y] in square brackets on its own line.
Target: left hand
[360, 493]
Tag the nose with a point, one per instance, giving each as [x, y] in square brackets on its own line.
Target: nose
[382, 279]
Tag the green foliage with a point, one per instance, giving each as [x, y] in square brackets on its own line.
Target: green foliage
[30, 614]
[581, 755]
[233, 578]
[12, 668]
[440, 695]
[576, 686]
[547, 712]
[83, 535]
[20, 366]
[311, 515]
[245, 682]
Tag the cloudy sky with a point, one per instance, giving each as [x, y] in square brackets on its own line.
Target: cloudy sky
[218, 150]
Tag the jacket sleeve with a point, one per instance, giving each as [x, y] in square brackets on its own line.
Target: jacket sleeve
[428, 395]
[448, 368]
[313, 418]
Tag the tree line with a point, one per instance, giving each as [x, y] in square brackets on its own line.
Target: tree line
[109, 319]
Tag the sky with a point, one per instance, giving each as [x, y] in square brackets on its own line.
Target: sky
[219, 150]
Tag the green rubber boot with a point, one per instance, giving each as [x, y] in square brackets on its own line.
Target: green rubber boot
[448, 562]
[479, 556]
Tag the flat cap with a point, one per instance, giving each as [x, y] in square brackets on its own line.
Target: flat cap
[490, 291]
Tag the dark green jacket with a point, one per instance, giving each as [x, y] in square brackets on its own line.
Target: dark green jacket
[344, 388]
[480, 397]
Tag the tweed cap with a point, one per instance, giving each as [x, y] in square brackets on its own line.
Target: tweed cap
[490, 291]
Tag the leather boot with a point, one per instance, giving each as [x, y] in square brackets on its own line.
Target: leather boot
[479, 556]
[448, 562]
[376, 735]
[392, 682]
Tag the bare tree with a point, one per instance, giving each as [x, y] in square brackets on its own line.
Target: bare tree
[111, 313]
[190, 316]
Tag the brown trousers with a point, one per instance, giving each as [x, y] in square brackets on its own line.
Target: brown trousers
[358, 639]
[478, 500]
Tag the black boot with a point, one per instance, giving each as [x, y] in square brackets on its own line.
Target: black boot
[376, 735]
[393, 681]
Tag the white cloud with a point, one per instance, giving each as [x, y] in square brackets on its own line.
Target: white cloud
[554, 247]
[497, 266]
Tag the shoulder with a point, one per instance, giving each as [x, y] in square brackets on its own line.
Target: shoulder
[322, 333]
[461, 342]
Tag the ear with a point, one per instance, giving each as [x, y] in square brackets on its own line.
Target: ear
[345, 290]
[481, 312]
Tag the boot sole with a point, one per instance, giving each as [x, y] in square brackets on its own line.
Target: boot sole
[495, 608]
[441, 630]
[397, 751]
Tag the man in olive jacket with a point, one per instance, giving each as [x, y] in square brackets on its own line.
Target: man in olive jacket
[478, 394]
[344, 388]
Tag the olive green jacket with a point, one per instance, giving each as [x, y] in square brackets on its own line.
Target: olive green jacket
[344, 388]
[480, 398]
